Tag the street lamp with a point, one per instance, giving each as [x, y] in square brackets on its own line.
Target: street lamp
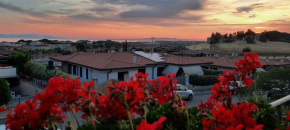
[50, 69]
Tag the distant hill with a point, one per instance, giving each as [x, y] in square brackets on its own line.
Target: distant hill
[26, 36]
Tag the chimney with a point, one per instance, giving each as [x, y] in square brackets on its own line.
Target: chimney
[134, 58]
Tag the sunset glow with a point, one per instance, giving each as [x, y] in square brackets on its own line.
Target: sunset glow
[104, 19]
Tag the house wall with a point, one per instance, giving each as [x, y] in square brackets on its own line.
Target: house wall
[149, 71]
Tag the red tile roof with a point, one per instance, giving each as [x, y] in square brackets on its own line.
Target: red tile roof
[105, 61]
[183, 60]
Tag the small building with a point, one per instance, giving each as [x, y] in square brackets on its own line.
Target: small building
[123, 65]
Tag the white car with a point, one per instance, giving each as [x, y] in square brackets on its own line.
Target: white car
[184, 92]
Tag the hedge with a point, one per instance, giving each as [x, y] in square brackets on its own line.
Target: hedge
[203, 79]
[38, 71]
[5, 94]
[212, 72]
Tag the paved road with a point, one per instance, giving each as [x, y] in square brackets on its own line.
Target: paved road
[203, 97]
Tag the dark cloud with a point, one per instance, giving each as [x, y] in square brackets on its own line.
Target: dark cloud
[102, 10]
[150, 12]
[155, 22]
[161, 8]
[20, 10]
[154, 8]
[247, 9]
[252, 16]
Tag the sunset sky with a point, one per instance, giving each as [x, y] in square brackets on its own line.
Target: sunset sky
[104, 19]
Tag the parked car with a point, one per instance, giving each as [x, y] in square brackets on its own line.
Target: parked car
[278, 93]
[181, 90]
[184, 92]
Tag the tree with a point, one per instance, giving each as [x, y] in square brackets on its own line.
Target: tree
[226, 36]
[81, 47]
[217, 37]
[262, 38]
[250, 33]
[240, 35]
[5, 94]
[250, 36]
[18, 60]
[231, 36]
[247, 49]
[250, 39]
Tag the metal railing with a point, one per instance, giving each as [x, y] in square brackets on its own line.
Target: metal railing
[280, 101]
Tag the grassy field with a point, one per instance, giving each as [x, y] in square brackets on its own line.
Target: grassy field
[269, 48]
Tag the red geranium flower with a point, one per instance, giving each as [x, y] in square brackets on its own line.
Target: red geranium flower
[2, 109]
[155, 126]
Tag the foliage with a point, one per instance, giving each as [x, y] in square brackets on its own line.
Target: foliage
[4, 92]
[212, 72]
[275, 78]
[240, 35]
[81, 47]
[203, 79]
[247, 49]
[250, 39]
[215, 38]
[265, 114]
[277, 36]
[263, 38]
[18, 60]
[38, 71]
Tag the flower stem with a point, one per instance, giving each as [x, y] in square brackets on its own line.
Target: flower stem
[73, 111]
[72, 123]
[130, 119]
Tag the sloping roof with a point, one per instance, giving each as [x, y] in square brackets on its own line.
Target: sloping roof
[104, 61]
[183, 60]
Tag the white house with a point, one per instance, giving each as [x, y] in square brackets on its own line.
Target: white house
[123, 65]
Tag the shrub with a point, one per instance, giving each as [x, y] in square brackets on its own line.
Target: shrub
[38, 71]
[247, 49]
[250, 39]
[203, 80]
[212, 72]
[4, 92]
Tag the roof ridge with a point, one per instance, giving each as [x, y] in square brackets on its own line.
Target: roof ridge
[106, 64]
[126, 62]
[71, 56]
[109, 56]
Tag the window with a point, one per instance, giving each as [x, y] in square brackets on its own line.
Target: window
[74, 70]
[181, 87]
[69, 68]
[81, 71]
[87, 73]
[142, 70]
[159, 71]
[121, 75]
